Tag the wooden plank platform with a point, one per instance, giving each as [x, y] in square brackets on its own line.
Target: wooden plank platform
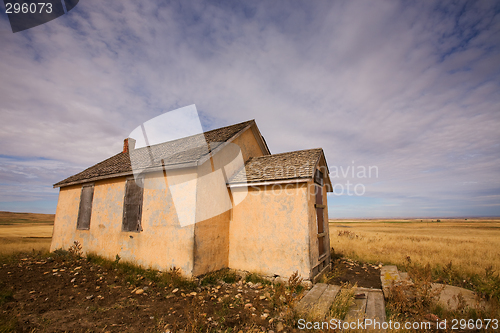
[317, 302]
[388, 276]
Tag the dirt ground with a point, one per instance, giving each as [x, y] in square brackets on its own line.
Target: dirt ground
[349, 271]
[54, 295]
[57, 294]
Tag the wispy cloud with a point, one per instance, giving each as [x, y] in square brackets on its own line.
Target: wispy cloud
[409, 87]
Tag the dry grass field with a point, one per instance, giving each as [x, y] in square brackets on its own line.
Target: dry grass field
[17, 218]
[471, 245]
[25, 232]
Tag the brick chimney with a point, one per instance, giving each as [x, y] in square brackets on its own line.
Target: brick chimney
[128, 144]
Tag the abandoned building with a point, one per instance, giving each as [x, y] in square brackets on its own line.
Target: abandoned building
[273, 220]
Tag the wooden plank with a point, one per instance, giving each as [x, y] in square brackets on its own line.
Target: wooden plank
[375, 306]
[388, 276]
[325, 301]
[306, 304]
[85, 209]
[358, 310]
[132, 207]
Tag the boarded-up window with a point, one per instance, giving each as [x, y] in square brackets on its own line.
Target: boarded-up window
[320, 218]
[132, 206]
[318, 177]
[85, 210]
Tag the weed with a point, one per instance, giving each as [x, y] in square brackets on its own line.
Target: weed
[5, 296]
[335, 255]
[7, 323]
[209, 279]
[343, 301]
[226, 275]
[61, 252]
[256, 278]
[75, 250]
[134, 274]
[413, 300]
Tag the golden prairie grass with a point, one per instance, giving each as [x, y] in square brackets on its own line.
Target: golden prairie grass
[471, 245]
[14, 245]
[16, 218]
[25, 237]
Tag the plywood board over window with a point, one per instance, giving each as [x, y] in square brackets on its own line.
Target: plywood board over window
[132, 206]
[318, 179]
[85, 209]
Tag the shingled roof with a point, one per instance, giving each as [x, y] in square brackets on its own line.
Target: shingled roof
[176, 152]
[278, 167]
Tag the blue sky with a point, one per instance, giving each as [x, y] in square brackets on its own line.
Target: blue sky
[411, 88]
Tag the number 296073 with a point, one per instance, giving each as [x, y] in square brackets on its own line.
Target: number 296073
[25, 8]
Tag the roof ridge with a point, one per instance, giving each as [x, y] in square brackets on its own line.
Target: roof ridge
[220, 128]
[288, 152]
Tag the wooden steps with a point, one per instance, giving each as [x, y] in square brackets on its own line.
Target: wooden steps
[316, 304]
[448, 295]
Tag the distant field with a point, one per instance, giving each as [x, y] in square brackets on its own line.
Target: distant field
[471, 245]
[16, 218]
[25, 232]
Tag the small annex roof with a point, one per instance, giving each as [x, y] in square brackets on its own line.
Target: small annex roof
[293, 165]
[180, 153]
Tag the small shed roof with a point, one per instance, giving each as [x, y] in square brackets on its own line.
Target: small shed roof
[281, 167]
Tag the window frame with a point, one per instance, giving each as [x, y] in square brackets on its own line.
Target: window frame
[127, 226]
[320, 221]
[80, 223]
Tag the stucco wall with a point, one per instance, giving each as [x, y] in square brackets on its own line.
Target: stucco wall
[269, 231]
[162, 243]
[63, 233]
[248, 145]
[211, 244]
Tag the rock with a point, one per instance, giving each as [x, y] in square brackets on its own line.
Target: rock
[262, 297]
[175, 290]
[90, 297]
[280, 280]
[264, 315]
[248, 305]
[307, 284]
[192, 294]
[139, 291]
[279, 327]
